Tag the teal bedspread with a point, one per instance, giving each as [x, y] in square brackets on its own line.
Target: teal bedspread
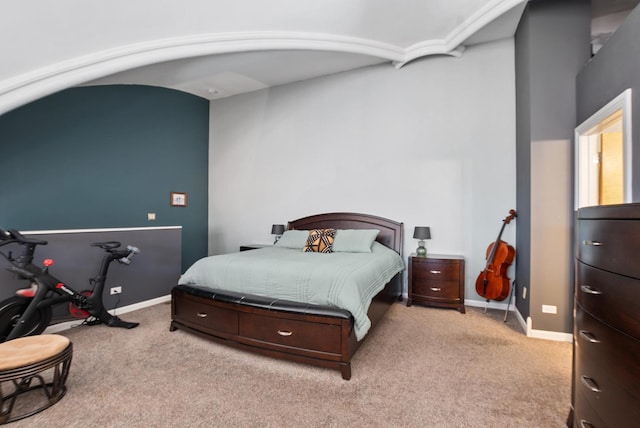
[343, 280]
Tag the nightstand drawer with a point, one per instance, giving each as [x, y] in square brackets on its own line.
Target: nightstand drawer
[446, 290]
[432, 270]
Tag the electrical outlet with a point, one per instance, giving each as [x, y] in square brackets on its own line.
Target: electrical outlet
[524, 293]
[151, 216]
[115, 290]
[549, 309]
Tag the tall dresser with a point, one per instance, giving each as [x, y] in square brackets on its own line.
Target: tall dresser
[606, 336]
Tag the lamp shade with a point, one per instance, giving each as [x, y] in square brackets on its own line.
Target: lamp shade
[277, 229]
[422, 232]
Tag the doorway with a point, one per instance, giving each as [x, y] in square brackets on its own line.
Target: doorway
[603, 155]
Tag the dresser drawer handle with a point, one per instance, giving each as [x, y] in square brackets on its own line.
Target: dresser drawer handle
[436, 289]
[285, 333]
[592, 243]
[590, 290]
[436, 272]
[201, 314]
[588, 336]
[586, 424]
[590, 383]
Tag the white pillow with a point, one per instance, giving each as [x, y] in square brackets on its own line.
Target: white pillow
[293, 239]
[354, 240]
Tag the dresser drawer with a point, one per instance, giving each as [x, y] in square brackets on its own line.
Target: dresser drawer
[610, 349]
[585, 416]
[611, 245]
[202, 314]
[611, 399]
[609, 297]
[289, 333]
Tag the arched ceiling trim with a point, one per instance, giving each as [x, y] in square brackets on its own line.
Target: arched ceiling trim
[453, 44]
[28, 86]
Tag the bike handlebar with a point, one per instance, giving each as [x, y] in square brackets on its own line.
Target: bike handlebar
[12, 235]
[131, 250]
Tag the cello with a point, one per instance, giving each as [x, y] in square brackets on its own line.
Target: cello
[493, 283]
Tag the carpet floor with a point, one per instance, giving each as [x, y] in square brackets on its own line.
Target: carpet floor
[421, 367]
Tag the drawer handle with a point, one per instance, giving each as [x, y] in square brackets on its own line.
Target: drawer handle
[592, 243]
[588, 336]
[586, 424]
[436, 289]
[201, 314]
[436, 272]
[590, 290]
[285, 333]
[590, 383]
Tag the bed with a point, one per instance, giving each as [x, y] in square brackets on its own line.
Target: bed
[324, 335]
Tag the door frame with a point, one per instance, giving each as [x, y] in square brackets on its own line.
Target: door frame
[584, 144]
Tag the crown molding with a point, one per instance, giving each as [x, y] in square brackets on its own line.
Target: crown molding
[34, 84]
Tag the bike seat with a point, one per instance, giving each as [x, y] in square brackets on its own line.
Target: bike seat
[109, 245]
[21, 238]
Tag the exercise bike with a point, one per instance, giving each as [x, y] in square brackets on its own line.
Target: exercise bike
[29, 311]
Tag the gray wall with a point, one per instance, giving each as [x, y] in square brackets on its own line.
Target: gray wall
[523, 163]
[152, 273]
[105, 156]
[614, 69]
[552, 45]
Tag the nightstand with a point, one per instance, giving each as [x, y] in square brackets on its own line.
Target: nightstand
[254, 246]
[436, 280]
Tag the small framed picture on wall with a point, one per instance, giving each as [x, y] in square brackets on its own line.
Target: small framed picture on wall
[178, 199]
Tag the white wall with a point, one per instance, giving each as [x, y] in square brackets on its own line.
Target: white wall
[430, 144]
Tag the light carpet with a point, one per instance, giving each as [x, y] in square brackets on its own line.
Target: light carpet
[421, 367]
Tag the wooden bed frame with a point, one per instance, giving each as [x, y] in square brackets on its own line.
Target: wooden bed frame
[319, 335]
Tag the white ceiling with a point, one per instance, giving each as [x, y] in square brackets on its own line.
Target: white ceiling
[219, 48]
[223, 75]
[414, 28]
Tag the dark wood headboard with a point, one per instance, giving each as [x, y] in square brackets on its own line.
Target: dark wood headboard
[390, 231]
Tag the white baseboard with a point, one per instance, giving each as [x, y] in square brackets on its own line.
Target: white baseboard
[548, 335]
[526, 325]
[491, 305]
[56, 328]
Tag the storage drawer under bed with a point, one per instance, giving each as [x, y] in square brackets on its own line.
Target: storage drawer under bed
[290, 333]
[202, 314]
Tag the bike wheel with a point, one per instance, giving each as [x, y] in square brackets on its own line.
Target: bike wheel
[12, 309]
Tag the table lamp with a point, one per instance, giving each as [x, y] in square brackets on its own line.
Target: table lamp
[421, 233]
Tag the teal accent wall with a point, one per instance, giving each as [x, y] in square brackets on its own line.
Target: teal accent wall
[105, 156]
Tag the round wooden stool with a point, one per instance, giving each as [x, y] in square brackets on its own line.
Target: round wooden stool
[33, 372]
